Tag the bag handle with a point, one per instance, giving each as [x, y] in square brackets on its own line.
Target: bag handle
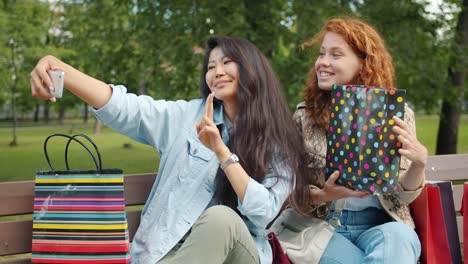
[70, 139]
[90, 141]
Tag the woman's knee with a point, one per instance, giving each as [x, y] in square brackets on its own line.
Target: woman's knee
[399, 236]
[220, 216]
[219, 212]
[341, 250]
[226, 225]
[401, 232]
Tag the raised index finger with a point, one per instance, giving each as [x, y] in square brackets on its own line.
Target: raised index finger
[209, 106]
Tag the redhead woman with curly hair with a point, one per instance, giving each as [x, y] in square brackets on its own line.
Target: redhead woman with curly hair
[368, 228]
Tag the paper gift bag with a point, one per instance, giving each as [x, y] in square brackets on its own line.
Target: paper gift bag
[428, 216]
[79, 215]
[360, 141]
[278, 254]
[450, 218]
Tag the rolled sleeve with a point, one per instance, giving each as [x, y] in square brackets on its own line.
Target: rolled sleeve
[262, 202]
[407, 197]
[111, 109]
[142, 118]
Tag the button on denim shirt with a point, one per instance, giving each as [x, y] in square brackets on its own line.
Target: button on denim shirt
[184, 186]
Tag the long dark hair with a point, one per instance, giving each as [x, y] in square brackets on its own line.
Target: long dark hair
[263, 127]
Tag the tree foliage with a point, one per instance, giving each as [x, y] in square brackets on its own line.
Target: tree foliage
[454, 92]
[156, 47]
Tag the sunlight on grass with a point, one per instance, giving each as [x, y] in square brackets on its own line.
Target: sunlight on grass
[21, 162]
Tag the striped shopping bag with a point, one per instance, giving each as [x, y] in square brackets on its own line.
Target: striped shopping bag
[79, 215]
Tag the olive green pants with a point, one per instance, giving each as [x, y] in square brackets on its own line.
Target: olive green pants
[218, 236]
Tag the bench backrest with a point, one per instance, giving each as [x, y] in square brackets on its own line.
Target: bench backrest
[16, 201]
[450, 168]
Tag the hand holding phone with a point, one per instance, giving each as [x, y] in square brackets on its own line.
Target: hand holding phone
[57, 78]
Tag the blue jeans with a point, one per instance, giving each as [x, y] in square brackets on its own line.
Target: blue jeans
[371, 236]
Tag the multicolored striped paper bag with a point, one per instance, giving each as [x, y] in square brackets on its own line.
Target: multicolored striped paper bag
[79, 216]
[360, 141]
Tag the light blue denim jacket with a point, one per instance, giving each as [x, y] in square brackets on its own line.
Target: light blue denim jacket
[185, 183]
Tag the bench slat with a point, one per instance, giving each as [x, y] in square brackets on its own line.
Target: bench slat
[15, 237]
[457, 196]
[133, 219]
[447, 167]
[16, 197]
[460, 227]
[16, 261]
[138, 188]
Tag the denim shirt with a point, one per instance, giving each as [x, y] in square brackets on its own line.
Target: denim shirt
[184, 186]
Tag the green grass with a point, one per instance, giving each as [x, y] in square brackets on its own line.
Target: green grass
[427, 127]
[21, 162]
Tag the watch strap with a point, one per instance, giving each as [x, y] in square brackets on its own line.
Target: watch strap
[232, 159]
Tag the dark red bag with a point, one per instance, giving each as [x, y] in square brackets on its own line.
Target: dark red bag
[428, 216]
[450, 217]
[278, 254]
[464, 211]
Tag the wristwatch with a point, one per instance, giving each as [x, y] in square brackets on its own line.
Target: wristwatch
[232, 159]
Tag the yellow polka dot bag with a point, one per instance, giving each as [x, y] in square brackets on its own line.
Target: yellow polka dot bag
[360, 141]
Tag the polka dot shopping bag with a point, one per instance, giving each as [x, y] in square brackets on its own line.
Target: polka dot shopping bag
[360, 141]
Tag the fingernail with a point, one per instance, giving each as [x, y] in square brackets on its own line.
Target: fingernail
[53, 99]
[51, 88]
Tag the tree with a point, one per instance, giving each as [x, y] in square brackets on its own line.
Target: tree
[156, 47]
[21, 24]
[410, 36]
[447, 137]
[304, 19]
[14, 84]
[99, 46]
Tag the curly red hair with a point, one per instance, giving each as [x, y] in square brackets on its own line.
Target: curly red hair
[377, 66]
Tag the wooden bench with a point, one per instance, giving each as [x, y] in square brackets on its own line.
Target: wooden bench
[16, 199]
[450, 168]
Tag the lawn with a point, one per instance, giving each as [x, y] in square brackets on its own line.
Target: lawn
[427, 127]
[21, 162]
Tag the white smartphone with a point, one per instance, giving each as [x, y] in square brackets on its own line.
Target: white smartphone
[57, 80]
